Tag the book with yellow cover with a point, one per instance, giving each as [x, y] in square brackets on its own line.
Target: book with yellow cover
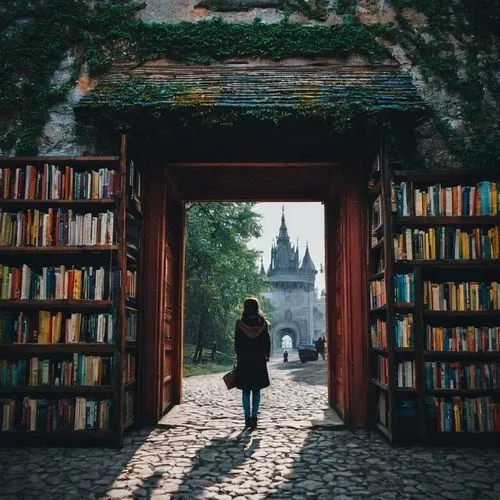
[77, 283]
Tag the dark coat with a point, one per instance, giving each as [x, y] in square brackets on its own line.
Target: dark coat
[252, 344]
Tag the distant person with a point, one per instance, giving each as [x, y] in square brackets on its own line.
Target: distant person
[213, 354]
[285, 357]
[252, 345]
[321, 347]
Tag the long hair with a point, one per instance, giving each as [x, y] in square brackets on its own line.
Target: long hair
[251, 308]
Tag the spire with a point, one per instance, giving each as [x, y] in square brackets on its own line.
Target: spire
[284, 258]
[262, 271]
[283, 234]
[307, 263]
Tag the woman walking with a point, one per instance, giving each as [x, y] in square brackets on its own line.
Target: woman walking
[252, 345]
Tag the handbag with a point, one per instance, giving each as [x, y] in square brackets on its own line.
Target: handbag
[230, 378]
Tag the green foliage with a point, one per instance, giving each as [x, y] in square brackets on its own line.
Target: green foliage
[220, 270]
[354, 107]
[346, 7]
[33, 42]
[473, 25]
[35, 37]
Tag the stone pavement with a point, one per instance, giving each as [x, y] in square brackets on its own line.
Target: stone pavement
[297, 452]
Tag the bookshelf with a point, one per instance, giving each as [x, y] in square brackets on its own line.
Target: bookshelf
[69, 310]
[434, 291]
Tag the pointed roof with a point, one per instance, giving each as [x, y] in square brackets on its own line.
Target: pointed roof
[307, 263]
[283, 255]
[262, 271]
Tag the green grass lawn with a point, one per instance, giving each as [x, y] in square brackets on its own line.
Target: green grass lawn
[224, 363]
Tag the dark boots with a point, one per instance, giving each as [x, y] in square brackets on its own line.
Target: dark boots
[250, 423]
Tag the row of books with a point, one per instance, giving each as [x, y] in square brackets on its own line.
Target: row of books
[130, 285]
[461, 296]
[405, 373]
[81, 370]
[131, 325]
[445, 242]
[482, 198]
[128, 367]
[377, 212]
[58, 283]
[378, 334]
[377, 294]
[54, 182]
[462, 338]
[404, 287]
[134, 184]
[60, 227]
[47, 327]
[382, 370]
[463, 414]
[403, 332]
[51, 415]
[457, 375]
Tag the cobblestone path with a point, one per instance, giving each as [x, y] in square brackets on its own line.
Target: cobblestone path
[297, 452]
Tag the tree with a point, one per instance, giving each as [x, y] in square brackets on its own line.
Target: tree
[221, 271]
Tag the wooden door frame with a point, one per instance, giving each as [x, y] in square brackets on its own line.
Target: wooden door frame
[355, 298]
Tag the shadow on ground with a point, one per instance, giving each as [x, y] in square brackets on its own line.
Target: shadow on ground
[310, 372]
[68, 471]
[207, 469]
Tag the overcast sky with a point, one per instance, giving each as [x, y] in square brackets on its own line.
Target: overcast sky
[304, 221]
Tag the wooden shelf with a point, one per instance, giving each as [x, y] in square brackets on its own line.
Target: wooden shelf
[129, 384]
[379, 350]
[404, 350]
[76, 304]
[82, 161]
[410, 390]
[58, 250]
[376, 276]
[55, 390]
[379, 309]
[447, 220]
[66, 437]
[450, 176]
[462, 392]
[94, 348]
[384, 430]
[374, 191]
[461, 354]
[131, 304]
[385, 387]
[61, 203]
[441, 270]
[459, 314]
[378, 246]
[127, 218]
[452, 263]
[404, 306]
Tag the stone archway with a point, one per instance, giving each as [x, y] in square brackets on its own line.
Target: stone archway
[277, 336]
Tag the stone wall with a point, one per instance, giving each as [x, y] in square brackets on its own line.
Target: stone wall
[422, 46]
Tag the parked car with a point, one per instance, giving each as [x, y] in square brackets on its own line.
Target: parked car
[307, 352]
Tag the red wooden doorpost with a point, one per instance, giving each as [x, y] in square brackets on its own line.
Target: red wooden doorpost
[353, 221]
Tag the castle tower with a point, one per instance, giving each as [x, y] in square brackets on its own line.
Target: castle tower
[297, 312]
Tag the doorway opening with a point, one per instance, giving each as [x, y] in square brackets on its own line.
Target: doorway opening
[338, 186]
[272, 251]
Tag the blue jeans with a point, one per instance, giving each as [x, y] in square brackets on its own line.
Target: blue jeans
[255, 403]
